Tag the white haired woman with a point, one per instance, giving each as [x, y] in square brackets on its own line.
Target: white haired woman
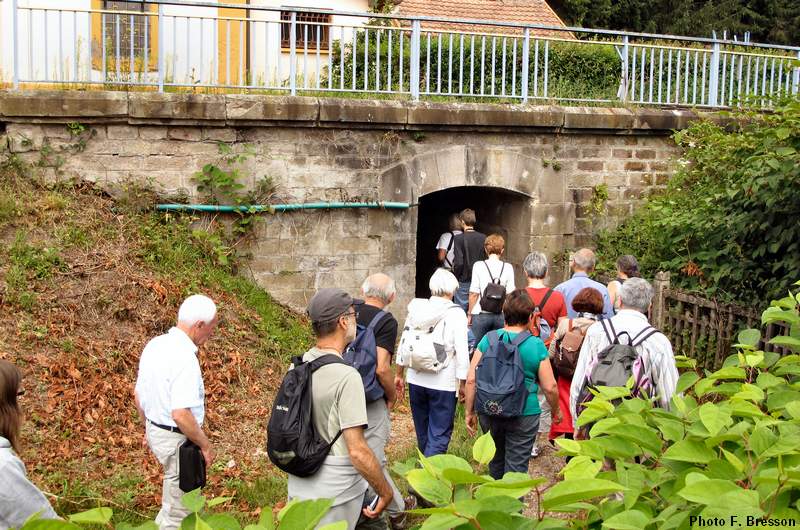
[438, 329]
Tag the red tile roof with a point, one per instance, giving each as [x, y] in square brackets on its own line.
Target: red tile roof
[521, 11]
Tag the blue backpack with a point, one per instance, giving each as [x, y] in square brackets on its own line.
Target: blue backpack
[501, 389]
[362, 354]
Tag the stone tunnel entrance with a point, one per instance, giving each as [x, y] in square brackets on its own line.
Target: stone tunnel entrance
[498, 210]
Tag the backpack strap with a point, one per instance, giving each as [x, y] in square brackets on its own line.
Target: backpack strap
[569, 325]
[325, 360]
[486, 264]
[612, 337]
[522, 337]
[446, 252]
[376, 319]
[544, 299]
[648, 332]
[494, 339]
[502, 268]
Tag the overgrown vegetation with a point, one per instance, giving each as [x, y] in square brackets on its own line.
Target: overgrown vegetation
[729, 447]
[727, 223]
[85, 281]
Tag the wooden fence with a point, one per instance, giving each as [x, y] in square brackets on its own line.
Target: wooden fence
[705, 329]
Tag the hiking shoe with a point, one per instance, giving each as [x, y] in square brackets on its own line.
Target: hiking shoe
[398, 522]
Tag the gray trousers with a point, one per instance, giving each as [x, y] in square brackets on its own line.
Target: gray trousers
[379, 427]
[164, 445]
[514, 439]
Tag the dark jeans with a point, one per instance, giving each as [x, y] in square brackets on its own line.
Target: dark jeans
[461, 296]
[483, 323]
[433, 412]
[514, 439]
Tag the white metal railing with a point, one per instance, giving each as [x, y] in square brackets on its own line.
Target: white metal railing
[175, 45]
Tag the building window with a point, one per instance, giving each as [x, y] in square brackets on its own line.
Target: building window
[307, 24]
[132, 28]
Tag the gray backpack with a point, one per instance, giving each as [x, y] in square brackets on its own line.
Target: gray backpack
[617, 363]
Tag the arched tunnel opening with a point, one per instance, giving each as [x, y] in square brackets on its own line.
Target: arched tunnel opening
[498, 211]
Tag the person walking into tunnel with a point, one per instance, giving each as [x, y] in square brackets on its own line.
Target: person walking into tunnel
[19, 498]
[376, 339]
[627, 267]
[339, 417]
[510, 411]
[564, 350]
[433, 358]
[468, 248]
[170, 398]
[492, 278]
[582, 265]
[551, 303]
[445, 252]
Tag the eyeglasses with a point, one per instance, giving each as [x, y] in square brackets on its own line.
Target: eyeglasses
[20, 392]
[353, 314]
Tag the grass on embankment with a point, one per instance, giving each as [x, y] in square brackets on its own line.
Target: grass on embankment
[85, 282]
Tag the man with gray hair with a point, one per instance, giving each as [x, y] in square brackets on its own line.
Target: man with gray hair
[582, 265]
[170, 398]
[379, 291]
[636, 295]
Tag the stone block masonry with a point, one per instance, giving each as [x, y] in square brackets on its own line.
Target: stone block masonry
[553, 162]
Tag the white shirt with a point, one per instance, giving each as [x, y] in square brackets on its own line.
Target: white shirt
[656, 352]
[481, 277]
[444, 242]
[452, 330]
[170, 379]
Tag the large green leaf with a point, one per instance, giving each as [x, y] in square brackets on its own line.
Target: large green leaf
[449, 462]
[222, 521]
[484, 449]
[729, 372]
[690, 451]
[570, 491]
[749, 337]
[714, 418]
[431, 488]
[99, 516]
[193, 501]
[339, 525]
[707, 491]
[627, 520]
[459, 476]
[761, 439]
[305, 515]
[581, 467]
[685, 381]
[442, 522]
[642, 436]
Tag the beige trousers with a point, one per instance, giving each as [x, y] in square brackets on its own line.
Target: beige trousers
[379, 428]
[164, 445]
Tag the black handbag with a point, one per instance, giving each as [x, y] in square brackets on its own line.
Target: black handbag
[191, 467]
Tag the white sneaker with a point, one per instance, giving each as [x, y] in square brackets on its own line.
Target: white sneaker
[535, 451]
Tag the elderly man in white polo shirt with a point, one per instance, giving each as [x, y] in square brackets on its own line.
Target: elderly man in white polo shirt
[171, 398]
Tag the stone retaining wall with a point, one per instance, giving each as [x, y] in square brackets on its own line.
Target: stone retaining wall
[560, 160]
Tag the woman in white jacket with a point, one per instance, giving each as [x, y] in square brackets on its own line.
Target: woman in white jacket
[19, 499]
[434, 358]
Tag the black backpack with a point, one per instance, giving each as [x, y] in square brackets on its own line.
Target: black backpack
[293, 444]
[495, 293]
[462, 259]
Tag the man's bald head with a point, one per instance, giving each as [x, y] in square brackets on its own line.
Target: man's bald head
[583, 260]
[379, 286]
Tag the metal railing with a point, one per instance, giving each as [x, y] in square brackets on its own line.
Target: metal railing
[176, 45]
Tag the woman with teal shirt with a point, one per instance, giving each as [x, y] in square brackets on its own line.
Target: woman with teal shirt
[514, 437]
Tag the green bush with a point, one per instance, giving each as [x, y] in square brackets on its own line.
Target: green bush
[729, 447]
[727, 223]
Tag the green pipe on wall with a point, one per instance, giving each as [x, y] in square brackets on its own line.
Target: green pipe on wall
[281, 207]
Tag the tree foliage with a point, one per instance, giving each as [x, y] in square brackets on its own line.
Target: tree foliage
[774, 21]
[727, 223]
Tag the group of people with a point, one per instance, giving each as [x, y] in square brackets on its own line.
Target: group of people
[446, 353]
